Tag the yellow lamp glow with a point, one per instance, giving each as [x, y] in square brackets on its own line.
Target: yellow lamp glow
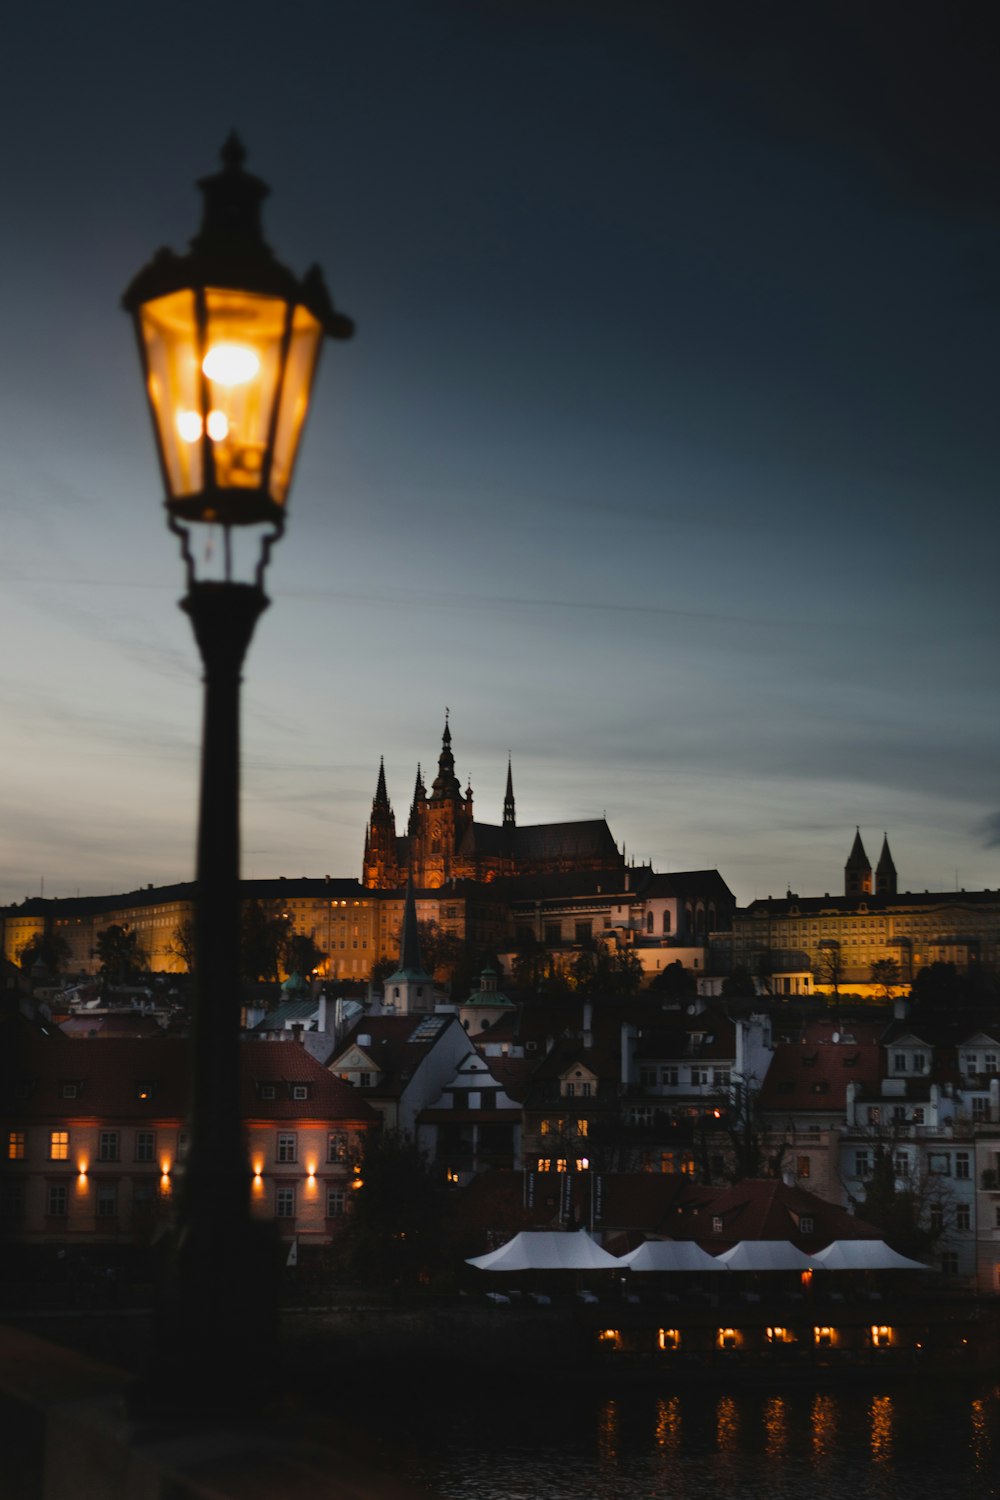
[229, 339]
[231, 364]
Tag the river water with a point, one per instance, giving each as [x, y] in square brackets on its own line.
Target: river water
[938, 1439]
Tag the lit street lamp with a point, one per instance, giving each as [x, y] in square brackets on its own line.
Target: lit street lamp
[229, 340]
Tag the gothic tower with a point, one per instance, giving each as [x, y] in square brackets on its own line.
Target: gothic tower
[381, 866]
[858, 870]
[885, 871]
[509, 820]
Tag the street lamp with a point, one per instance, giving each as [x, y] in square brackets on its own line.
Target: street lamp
[229, 340]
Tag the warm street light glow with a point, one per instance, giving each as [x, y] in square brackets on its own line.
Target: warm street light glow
[231, 364]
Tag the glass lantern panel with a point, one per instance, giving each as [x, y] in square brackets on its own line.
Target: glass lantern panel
[242, 368]
[170, 336]
[302, 354]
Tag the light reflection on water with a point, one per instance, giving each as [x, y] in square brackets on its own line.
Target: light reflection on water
[898, 1444]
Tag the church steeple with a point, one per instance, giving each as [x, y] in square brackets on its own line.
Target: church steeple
[410, 990]
[419, 796]
[446, 785]
[885, 871]
[380, 868]
[858, 870]
[509, 820]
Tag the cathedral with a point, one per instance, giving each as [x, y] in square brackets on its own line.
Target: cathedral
[444, 841]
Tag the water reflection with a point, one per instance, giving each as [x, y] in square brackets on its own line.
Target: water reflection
[775, 1426]
[881, 1420]
[824, 1425]
[607, 1432]
[668, 1425]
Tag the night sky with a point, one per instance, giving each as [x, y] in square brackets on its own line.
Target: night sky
[665, 454]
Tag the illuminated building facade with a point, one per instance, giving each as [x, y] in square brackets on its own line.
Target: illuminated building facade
[444, 841]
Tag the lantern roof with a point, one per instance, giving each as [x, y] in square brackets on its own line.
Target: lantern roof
[229, 251]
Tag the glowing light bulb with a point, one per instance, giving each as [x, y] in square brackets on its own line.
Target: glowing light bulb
[218, 426]
[189, 426]
[231, 364]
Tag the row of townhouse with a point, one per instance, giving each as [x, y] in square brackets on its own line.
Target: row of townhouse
[94, 1141]
[912, 1107]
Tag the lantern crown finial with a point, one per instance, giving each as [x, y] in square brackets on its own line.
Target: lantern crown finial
[230, 222]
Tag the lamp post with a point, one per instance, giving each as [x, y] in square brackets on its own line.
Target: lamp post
[229, 340]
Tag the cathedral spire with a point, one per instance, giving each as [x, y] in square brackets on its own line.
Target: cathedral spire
[381, 795]
[446, 784]
[858, 870]
[509, 820]
[885, 871]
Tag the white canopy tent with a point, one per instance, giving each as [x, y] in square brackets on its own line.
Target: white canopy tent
[864, 1255]
[547, 1250]
[670, 1255]
[765, 1255]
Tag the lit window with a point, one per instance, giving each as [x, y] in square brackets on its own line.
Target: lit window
[59, 1145]
[15, 1145]
[802, 1166]
[544, 1164]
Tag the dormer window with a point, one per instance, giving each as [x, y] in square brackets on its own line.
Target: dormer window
[268, 1091]
[300, 1091]
[69, 1089]
[920, 1062]
[717, 1224]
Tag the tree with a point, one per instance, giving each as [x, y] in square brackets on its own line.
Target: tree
[674, 982]
[302, 954]
[181, 944]
[885, 973]
[121, 954]
[913, 1209]
[396, 1220]
[264, 934]
[46, 948]
[830, 969]
[751, 1149]
[738, 984]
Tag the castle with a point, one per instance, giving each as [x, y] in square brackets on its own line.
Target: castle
[444, 841]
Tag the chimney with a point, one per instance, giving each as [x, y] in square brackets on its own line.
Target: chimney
[321, 1019]
[900, 1008]
[297, 1030]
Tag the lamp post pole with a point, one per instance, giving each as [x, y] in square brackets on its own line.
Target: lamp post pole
[229, 340]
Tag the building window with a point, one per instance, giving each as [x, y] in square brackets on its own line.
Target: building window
[802, 1166]
[949, 1262]
[807, 1225]
[963, 1216]
[58, 1145]
[107, 1145]
[544, 1164]
[287, 1148]
[335, 1201]
[862, 1164]
[939, 1163]
[666, 923]
[963, 1165]
[57, 1198]
[919, 1062]
[336, 1147]
[669, 1076]
[902, 1164]
[107, 1200]
[12, 1200]
[553, 934]
[722, 1078]
[300, 1091]
[717, 1224]
[980, 1108]
[937, 1217]
[69, 1090]
[899, 1062]
[15, 1145]
[268, 1091]
[364, 1080]
[145, 1145]
[284, 1203]
[699, 1075]
[918, 1115]
[874, 1115]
